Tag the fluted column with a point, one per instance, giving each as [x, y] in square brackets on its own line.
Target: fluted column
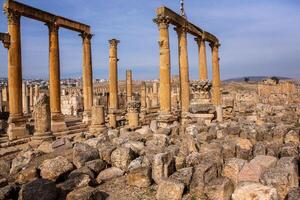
[87, 76]
[164, 71]
[128, 85]
[216, 80]
[14, 65]
[183, 69]
[54, 69]
[202, 58]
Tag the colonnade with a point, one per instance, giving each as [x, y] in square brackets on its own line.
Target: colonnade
[163, 22]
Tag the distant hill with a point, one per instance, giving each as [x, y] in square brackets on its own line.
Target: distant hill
[254, 78]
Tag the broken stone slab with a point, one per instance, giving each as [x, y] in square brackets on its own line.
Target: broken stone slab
[183, 175]
[53, 169]
[243, 149]
[27, 175]
[250, 190]
[289, 150]
[140, 177]
[83, 170]
[39, 189]
[81, 180]
[96, 165]
[169, 189]
[108, 174]
[9, 192]
[121, 157]
[163, 165]
[86, 193]
[83, 153]
[219, 188]
[259, 148]
[292, 136]
[232, 168]
[105, 151]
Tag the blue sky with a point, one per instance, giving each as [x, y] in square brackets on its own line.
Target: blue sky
[258, 37]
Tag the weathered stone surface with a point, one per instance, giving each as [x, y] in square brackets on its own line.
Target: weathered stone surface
[121, 157]
[83, 170]
[169, 189]
[22, 160]
[109, 173]
[39, 189]
[80, 180]
[163, 165]
[105, 151]
[247, 191]
[292, 136]
[83, 153]
[293, 194]
[183, 175]
[191, 130]
[86, 193]
[243, 149]
[27, 175]
[9, 192]
[54, 168]
[140, 177]
[220, 188]
[96, 165]
[45, 147]
[232, 169]
[62, 143]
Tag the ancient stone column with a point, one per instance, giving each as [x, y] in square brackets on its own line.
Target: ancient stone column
[87, 76]
[202, 58]
[143, 96]
[113, 82]
[216, 81]
[133, 109]
[17, 123]
[42, 119]
[128, 85]
[57, 119]
[36, 92]
[183, 69]
[26, 108]
[31, 95]
[98, 120]
[154, 94]
[1, 99]
[165, 71]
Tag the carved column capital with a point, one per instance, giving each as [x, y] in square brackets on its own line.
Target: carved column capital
[133, 106]
[181, 30]
[214, 45]
[200, 39]
[162, 21]
[86, 35]
[114, 43]
[5, 38]
[53, 27]
[13, 17]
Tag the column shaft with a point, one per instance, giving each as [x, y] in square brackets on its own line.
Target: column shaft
[54, 69]
[164, 63]
[14, 65]
[87, 72]
[1, 99]
[128, 85]
[113, 75]
[216, 81]
[143, 95]
[202, 59]
[183, 69]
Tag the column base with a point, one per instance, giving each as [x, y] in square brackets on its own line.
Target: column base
[87, 117]
[47, 136]
[58, 123]
[17, 128]
[165, 119]
[219, 111]
[98, 129]
[112, 121]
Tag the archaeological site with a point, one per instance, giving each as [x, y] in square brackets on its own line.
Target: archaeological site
[184, 133]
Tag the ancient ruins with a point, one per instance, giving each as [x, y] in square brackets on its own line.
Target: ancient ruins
[167, 139]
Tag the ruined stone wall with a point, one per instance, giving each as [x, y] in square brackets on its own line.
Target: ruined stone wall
[71, 105]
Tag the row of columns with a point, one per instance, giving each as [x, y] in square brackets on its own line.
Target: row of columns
[15, 70]
[165, 71]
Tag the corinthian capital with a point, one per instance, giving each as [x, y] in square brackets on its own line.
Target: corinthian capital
[53, 26]
[86, 35]
[133, 106]
[162, 21]
[13, 17]
[114, 42]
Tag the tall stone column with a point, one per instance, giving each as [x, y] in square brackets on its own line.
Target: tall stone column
[36, 92]
[57, 119]
[113, 82]
[216, 81]
[133, 109]
[128, 85]
[17, 123]
[154, 94]
[183, 69]
[1, 99]
[87, 76]
[165, 71]
[143, 96]
[202, 58]
[25, 99]
[31, 95]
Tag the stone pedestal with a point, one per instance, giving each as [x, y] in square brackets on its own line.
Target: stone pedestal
[42, 118]
[165, 119]
[133, 109]
[98, 120]
[58, 124]
[17, 127]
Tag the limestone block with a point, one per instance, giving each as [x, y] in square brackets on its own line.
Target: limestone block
[83, 153]
[169, 189]
[219, 189]
[140, 177]
[232, 169]
[163, 165]
[121, 157]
